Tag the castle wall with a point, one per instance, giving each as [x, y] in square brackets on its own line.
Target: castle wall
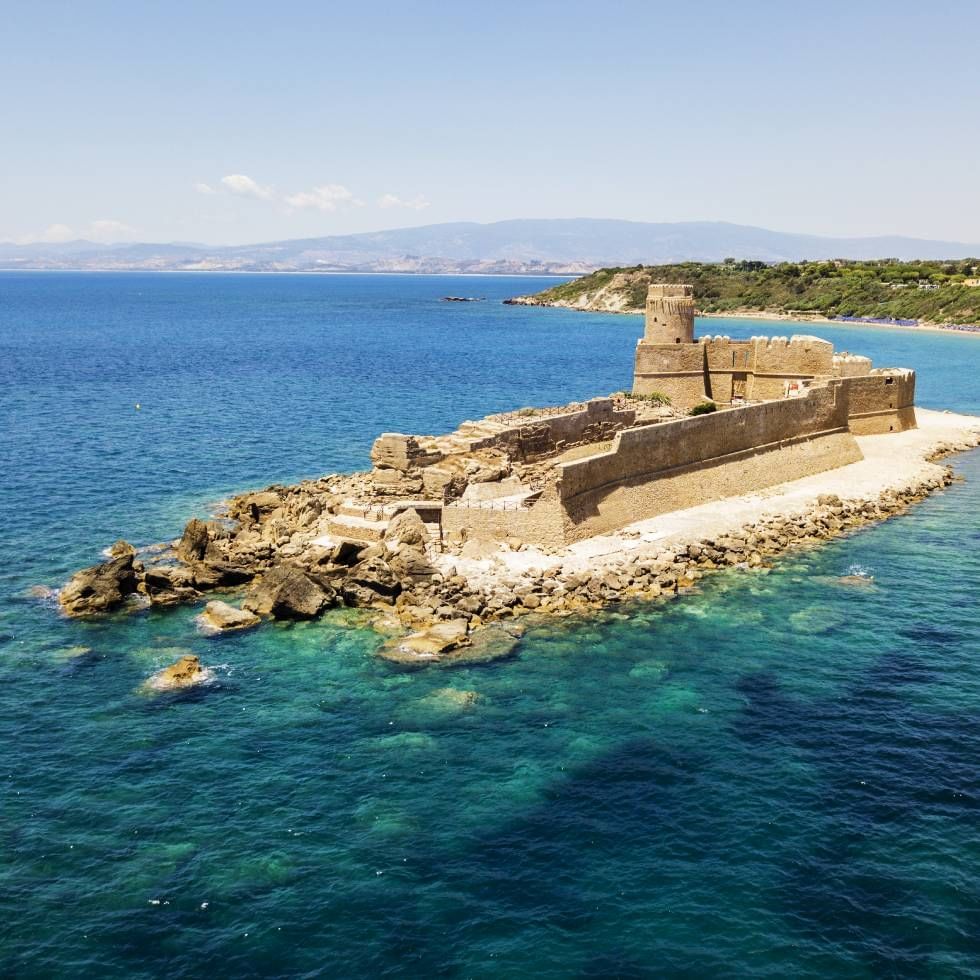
[800, 356]
[658, 469]
[538, 437]
[541, 524]
[778, 360]
[726, 360]
[721, 368]
[883, 401]
[851, 365]
[677, 370]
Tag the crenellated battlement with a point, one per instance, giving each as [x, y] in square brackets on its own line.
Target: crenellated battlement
[669, 314]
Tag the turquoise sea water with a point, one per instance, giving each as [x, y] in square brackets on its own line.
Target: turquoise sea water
[775, 777]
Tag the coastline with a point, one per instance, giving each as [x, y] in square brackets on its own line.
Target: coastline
[767, 316]
[920, 327]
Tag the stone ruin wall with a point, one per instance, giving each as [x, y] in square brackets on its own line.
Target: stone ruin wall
[539, 438]
[540, 523]
[524, 441]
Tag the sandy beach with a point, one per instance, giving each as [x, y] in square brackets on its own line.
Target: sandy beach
[787, 318]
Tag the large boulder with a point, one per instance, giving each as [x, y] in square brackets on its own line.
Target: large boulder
[187, 672]
[347, 551]
[99, 588]
[168, 584]
[406, 528]
[478, 548]
[194, 541]
[254, 507]
[228, 572]
[428, 645]
[286, 592]
[411, 562]
[221, 616]
[377, 575]
[160, 577]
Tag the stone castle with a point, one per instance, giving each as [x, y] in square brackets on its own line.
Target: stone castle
[785, 409]
[736, 372]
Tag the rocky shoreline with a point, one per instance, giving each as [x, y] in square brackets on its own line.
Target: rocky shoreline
[441, 604]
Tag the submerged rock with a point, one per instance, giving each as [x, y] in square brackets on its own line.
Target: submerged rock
[486, 645]
[448, 644]
[74, 652]
[100, 588]
[427, 645]
[221, 616]
[816, 619]
[187, 672]
[411, 741]
[649, 670]
[450, 699]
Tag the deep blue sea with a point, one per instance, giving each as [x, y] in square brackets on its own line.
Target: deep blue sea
[777, 777]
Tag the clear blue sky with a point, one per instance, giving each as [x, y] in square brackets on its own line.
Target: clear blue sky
[240, 122]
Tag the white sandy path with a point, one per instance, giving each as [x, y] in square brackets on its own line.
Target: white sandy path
[891, 462]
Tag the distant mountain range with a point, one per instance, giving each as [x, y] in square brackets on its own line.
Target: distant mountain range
[561, 245]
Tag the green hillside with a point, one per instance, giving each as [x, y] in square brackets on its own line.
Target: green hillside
[937, 292]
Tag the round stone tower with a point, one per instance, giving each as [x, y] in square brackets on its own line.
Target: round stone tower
[670, 314]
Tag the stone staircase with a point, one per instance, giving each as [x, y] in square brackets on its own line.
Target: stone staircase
[369, 523]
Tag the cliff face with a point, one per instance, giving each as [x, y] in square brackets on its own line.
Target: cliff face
[605, 291]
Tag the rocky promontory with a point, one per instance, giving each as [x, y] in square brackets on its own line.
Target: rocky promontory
[276, 554]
